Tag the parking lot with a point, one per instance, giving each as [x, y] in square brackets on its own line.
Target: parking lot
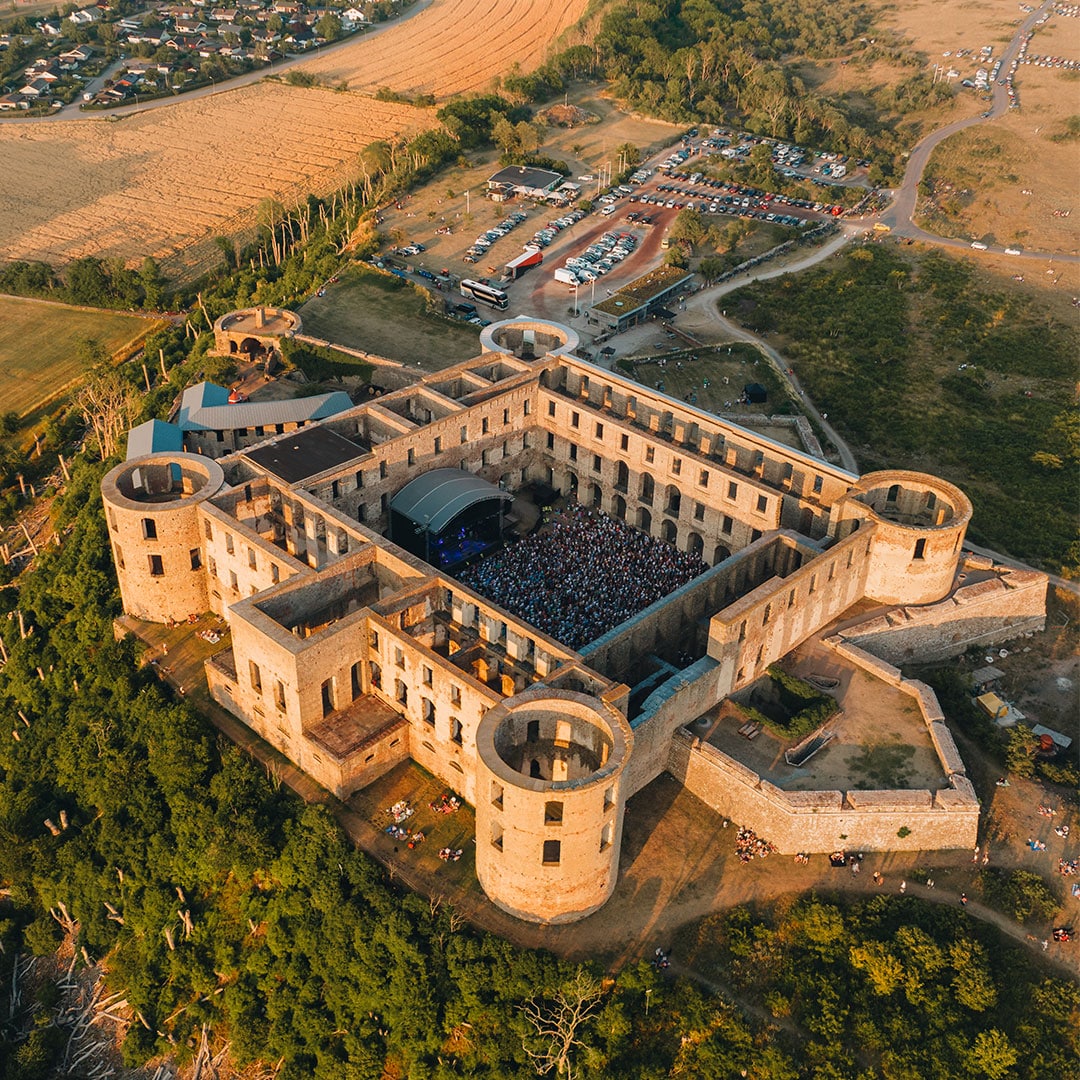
[584, 256]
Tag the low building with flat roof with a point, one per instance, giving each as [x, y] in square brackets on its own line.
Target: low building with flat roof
[523, 180]
[636, 302]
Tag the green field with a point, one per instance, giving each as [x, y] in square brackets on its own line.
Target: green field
[927, 362]
[39, 347]
[387, 316]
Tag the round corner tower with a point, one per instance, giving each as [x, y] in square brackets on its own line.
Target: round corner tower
[549, 803]
[919, 525]
[152, 509]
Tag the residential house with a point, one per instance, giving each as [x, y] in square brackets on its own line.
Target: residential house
[187, 42]
[38, 89]
[73, 58]
[85, 17]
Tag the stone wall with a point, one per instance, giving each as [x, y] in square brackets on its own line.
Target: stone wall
[824, 821]
[827, 820]
[986, 612]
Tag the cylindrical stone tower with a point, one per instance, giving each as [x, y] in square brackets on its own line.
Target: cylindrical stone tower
[152, 508]
[549, 803]
[920, 523]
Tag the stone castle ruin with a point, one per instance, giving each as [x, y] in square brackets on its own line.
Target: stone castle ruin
[352, 652]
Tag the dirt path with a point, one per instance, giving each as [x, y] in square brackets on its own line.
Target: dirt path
[704, 316]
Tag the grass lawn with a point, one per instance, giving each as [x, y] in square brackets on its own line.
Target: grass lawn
[927, 362]
[387, 316]
[39, 347]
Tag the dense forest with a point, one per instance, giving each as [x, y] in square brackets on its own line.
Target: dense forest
[216, 898]
[739, 61]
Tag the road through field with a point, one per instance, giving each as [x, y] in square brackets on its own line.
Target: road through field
[166, 178]
[900, 213]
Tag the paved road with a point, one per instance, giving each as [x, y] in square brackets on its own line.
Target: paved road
[73, 112]
[899, 215]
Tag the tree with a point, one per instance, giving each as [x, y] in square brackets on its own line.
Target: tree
[88, 283]
[688, 226]
[110, 406]
[1020, 751]
[711, 268]
[557, 1024]
[153, 284]
[992, 1055]
[328, 27]
[973, 982]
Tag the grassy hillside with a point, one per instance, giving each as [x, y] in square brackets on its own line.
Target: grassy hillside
[39, 347]
[923, 364]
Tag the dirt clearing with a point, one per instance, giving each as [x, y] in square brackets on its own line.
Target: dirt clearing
[384, 315]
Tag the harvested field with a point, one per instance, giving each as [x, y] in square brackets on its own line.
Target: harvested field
[453, 47]
[39, 347]
[165, 183]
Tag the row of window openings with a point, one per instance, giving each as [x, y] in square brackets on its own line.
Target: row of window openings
[553, 809]
[157, 567]
[674, 500]
[485, 427]
[552, 852]
[676, 464]
[260, 430]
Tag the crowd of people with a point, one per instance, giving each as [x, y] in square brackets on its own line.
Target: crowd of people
[581, 574]
[749, 845]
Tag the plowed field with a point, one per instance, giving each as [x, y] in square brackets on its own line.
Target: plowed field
[164, 183]
[167, 182]
[452, 47]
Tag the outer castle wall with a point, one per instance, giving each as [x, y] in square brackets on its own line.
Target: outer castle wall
[350, 655]
[983, 613]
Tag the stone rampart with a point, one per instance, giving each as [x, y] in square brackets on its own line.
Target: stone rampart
[388, 373]
[824, 821]
[983, 613]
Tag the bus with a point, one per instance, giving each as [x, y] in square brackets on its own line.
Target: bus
[486, 294]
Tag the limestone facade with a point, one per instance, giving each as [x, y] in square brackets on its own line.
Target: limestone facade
[350, 655]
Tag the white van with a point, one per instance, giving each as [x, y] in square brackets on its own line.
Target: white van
[978, 245]
[566, 276]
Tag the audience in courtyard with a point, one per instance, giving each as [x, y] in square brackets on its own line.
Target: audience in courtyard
[581, 574]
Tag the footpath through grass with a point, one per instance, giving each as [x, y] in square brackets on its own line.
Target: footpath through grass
[39, 347]
[923, 365]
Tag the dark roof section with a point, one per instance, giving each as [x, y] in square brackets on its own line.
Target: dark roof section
[521, 176]
[300, 454]
[436, 498]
